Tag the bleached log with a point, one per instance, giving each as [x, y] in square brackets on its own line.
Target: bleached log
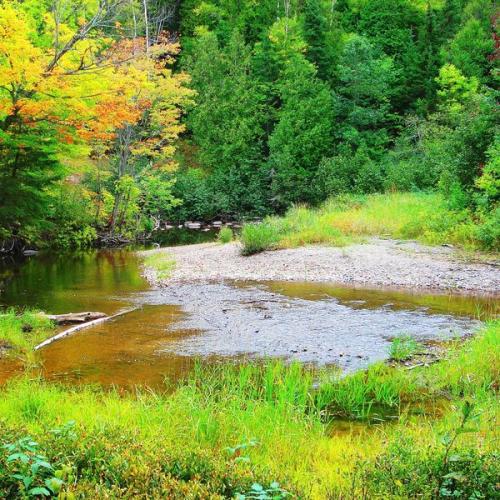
[77, 328]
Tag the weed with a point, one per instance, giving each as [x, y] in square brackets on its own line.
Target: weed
[344, 219]
[28, 471]
[403, 348]
[257, 491]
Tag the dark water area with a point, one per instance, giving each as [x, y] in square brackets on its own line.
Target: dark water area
[180, 236]
[171, 327]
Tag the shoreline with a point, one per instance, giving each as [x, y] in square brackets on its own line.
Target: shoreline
[378, 263]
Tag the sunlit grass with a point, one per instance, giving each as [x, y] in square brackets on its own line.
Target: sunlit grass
[403, 347]
[162, 263]
[345, 219]
[285, 417]
[225, 235]
[20, 333]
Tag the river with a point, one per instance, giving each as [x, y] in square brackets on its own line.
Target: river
[311, 322]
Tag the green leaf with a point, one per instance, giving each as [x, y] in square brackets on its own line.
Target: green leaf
[18, 456]
[42, 463]
[54, 484]
[39, 491]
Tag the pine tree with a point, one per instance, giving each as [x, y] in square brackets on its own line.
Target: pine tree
[302, 135]
[227, 123]
[315, 28]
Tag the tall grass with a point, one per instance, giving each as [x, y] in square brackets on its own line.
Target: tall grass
[227, 427]
[403, 347]
[420, 216]
[225, 235]
[20, 333]
[300, 226]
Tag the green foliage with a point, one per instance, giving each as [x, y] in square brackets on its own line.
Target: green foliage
[302, 135]
[227, 123]
[362, 97]
[28, 168]
[192, 187]
[405, 471]
[315, 35]
[470, 49]
[28, 472]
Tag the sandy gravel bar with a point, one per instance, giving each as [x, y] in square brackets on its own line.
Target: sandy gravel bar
[378, 262]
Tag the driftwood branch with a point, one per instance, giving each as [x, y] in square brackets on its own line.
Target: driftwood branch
[83, 317]
[77, 328]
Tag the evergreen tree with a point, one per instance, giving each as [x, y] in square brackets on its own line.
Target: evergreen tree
[429, 45]
[393, 25]
[471, 48]
[362, 97]
[227, 122]
[302, 135]
[315, 28]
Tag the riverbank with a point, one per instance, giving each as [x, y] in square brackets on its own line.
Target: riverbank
[282, 430]
[377, 263]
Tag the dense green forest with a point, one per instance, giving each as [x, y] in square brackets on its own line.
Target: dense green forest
[117, 115]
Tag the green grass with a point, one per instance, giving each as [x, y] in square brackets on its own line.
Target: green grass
[403, 347]
[225, 235]
[20, 333]
[162, 263]
[227, 427]
[301, 226]
[424, 217]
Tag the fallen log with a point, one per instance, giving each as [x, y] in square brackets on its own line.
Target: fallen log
[83, 317]
[77, 328]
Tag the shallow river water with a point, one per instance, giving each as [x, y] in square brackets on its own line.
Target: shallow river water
[172, 326]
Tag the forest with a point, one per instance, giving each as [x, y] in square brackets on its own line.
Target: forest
[249, 249]
[117, 116]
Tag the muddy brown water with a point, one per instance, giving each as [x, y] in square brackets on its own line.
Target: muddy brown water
[172, 326]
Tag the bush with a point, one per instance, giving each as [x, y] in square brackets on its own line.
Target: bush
[191, 186]
[258, 237]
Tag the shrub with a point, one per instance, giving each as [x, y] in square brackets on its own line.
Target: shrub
[259, 237]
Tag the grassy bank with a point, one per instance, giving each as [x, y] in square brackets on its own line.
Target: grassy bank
[342, 220]
[20, 333]
[263, 431]
[163, 265]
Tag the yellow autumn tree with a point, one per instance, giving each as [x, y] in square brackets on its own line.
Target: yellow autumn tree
[66, 82]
